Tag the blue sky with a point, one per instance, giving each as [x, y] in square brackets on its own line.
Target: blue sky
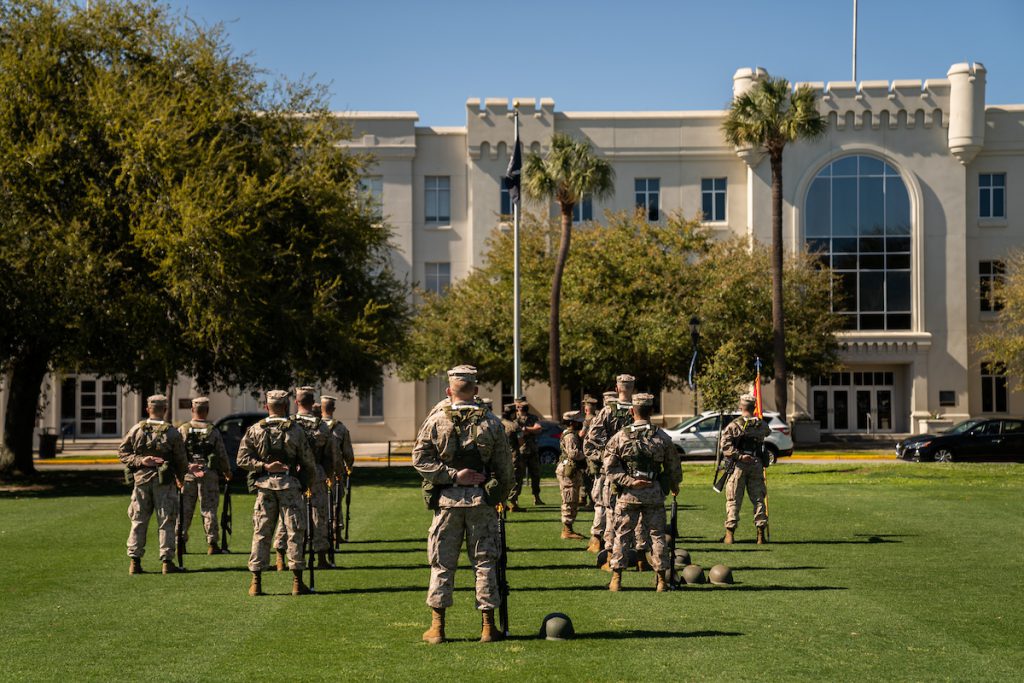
[428, 57]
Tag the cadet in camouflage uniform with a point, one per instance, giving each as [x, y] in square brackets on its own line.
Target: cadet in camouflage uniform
[205, 448]
[325, 454]
[513, 433]
[463, 456]
[589, 413]
[613, 417]
[570, 471]
[154, 458]
[343, 443]
[740, 442]
[276, 453]
[643, 466]
[528, 457]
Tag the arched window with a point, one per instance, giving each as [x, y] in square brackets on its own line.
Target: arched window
[858, 220]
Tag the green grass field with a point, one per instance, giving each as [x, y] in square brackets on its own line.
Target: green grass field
[882, 571]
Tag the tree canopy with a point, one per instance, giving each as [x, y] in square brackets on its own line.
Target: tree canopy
[1003, 343]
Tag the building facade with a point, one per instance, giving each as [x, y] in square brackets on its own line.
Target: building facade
[910, 197]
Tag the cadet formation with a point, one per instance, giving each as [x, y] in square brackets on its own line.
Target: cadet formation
[473, 465]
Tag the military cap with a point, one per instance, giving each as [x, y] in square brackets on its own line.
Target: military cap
[200, 401]
[508, 406]
[572, 416]
[305, 394]
[324, 398]
[466, 373]
[277, 397]
[625, 379]
[748, 400]
[610, 394]
[520, 400]
[589, 400]
[487, 401]
[643, 399]
[156, 400]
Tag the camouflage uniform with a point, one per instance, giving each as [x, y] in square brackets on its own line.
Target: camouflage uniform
[346, 456]
[527, 459]
[451, 438]
[278, 495]
[612, 418]
[205, 447]
[570, 473]
[155, 487]
[514, 433]
[741, 437]
[325, 454]
[641, 451]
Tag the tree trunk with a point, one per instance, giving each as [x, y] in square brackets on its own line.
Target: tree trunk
[20, 420]
[554, 340]
[778, 316]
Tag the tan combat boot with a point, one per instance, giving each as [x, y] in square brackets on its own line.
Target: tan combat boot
[616, 585]
[298, 587]
[729, 537]
[662, 583]
[489, 633]
[281, 564]
[136, 565]
[256, 587]
[435, 634]
[171, 568]
[760, 536]
[595, 545]
[322, 562]
[569, 534]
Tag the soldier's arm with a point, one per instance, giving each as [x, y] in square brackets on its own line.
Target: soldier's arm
[672, 464]
[571, 446]
[613, 468]
[597, 437]
[501, 461]
[347, 454]
[334, 458]
[427, 461]
[126, 451]
[729, 435]
[248, 455]
[532, 426]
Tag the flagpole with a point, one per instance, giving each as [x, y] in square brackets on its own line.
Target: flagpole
[516, 368]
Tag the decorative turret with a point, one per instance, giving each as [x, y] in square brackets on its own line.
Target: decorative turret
[966, 110]
[742, 81]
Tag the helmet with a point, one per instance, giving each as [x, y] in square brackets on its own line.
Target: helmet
[693, 573]
[720, 575]
[681, 558]
[557, 626]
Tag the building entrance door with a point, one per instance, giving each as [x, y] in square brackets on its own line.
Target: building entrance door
[854, 402]
[99, 407]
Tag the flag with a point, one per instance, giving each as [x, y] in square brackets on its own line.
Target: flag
[758, 406]
[515, 168]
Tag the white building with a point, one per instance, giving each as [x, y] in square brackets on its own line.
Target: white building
[911, 193]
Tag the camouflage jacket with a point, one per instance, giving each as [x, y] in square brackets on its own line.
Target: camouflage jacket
[751, 430]
[257, 450]
[204, 446]
[322, 443]
[343, 440]
[571, 461]
[642, 449]
[603, 427]
[153, 437]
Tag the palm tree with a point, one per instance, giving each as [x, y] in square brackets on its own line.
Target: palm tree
[570, 171]
[767, 116]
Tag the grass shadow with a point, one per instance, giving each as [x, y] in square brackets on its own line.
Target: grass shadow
[633, 633]
[774, 569]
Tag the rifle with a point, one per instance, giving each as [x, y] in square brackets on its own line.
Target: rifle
[309, 540]
[225, 516]
[722, 480]
[673, 530]
[336, 504]
[348, 503]
[179, 531]
[503, 587]
[330, 519]
[768, 524]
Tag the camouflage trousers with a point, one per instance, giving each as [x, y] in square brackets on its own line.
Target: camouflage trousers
[528, 461]
[147, 498]
[321, 500]
[752, 480]
[633, 520]
[271, 505]
[603, 526]
[205, 490]
[478, 526]
[571, 489]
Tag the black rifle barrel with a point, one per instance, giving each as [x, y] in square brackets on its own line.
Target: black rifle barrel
[503, 586]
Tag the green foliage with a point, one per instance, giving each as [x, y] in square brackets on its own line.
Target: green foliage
[570, 171]
[1003, 343]
[771, 114]
[630, 289]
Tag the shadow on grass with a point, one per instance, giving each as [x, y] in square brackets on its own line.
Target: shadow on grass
[866, 540]
[632, 633]
[728, 550]
[774, 569]
[773, 588]
[206, 570]
[62, 484]
[422, 539]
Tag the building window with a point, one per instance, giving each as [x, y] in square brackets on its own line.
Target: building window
[947, 399]
[993, 388]
[437, 277]
[371, 403]
[372, 188]
[712, 195]
[647, 191]
[991, 278]
[857, 219]
[583, 210]
[506, 199]
[438, 199]
[992, 195]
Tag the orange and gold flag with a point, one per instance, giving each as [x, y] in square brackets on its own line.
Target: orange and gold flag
[758, 406]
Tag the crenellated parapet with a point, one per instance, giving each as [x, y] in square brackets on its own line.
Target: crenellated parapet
[490, 125]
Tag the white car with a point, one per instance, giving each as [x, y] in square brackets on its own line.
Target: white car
[695, 437]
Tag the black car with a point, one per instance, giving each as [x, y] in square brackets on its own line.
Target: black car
[549, 442]
[997, 439]
[232, 428]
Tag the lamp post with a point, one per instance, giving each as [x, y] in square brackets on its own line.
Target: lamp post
[695, 339]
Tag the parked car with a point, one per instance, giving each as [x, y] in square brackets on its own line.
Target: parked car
[998, 439]
[549, 442]
[697, 437]
[232, 428]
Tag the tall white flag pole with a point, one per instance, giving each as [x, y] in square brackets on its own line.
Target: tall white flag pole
[517, 381]
[854, 41]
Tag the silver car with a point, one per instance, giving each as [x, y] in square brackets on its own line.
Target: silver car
[696, 437]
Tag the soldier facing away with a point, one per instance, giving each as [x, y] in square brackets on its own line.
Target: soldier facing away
[642, 464]
[155, 462]
[570, 468]
[612, 417]
[463, 456]
[277, 456]
[741, 440]
[205, 448]
[528, 456]
[343, 444]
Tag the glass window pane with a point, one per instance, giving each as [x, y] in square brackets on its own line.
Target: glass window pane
[444, 205]
[110, 400]
[872, 291]
[999, 180]
[844, 206]
[897, 207]
[897, 292]
[1000, 389]
[998, 209]
[431, 209]
[706, 184]
[898, 321]
[845, 166]
[845, 245]
[870, 166]
[985, 180]
[653, 184]
[844, 261]
[985, 203]
[872, 262]
[720, 183]
[872, 245]
[872, 321]
[818, 246]
[818, 222]
[652, 209]
[640, 184]
[641, 200]
[88, 399]
[706, 206]
[88, 386]
[898, 262]
[845, 296]
[720, 206]
[872, 207]
[897, 245]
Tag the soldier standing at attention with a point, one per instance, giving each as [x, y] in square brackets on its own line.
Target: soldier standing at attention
[642, 464]
[741, 440]
[463, 456]
[325, 454]
[155, 462]
[531, 429]
[515, 439]
[589, 413]
[205, 448]
[613, 417]
[570, 471]
[276, 454]
[343, 445]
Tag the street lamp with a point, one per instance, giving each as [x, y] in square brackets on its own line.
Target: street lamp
[695, 339]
